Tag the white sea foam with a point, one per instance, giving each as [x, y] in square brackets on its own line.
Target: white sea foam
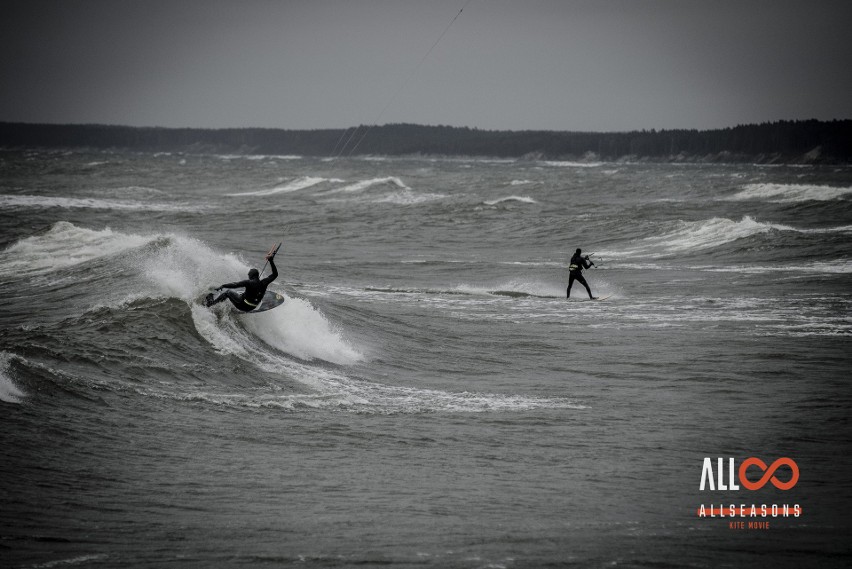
[842, 266]
[519, 287]
[292, 186]
[569, 164]
[397, 399]
[301, 330]
[408, 197]
[298, 329]
[256, 157]
[533, 263]
[9, 392]
[71, 561]
[842, 229]
[133, 191]
[64, 245]
[25, 201]
[706, 234]
[390, 190]
[183, 267]
[334, 391]
[365, 184]
[790, 192]
[186, 267]
[207, 324]
[521, 199]
[230, 333]
[288, 341]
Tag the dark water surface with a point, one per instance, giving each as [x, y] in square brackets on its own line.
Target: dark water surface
[426, 396]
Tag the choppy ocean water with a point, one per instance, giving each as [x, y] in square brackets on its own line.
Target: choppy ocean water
[426, 396]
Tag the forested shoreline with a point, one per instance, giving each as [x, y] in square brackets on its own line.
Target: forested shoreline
[809, 141]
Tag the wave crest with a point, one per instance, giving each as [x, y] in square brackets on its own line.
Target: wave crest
[783, 193]
[27, 201]
[521, 199]
[298, 184]
[64, 245]
[706, 234]
[9, 392]
[365, 184]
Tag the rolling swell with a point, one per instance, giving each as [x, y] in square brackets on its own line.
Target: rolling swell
[146, 333]
[720, 237]
[792, 193]
[142, 322]
[356, 418]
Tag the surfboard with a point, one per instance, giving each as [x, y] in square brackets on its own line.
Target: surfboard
[269, 301]
[589, 299]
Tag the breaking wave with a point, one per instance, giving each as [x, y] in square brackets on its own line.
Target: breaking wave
[520, 199]
[790, 193]
[366, 184]
[706, 234]
[9, 392]
[149, 277]
[299, 184]
[23, 201]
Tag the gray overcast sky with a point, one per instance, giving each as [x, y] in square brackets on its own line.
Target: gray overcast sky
[585, 65]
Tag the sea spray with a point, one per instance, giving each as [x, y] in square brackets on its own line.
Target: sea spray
[293, 186]
[697, 235]
[365, 184]
[519, 199]
[9, 392]
[301, 330]
[791, 192]
[31, 202]
[64, 245]
[184, 267]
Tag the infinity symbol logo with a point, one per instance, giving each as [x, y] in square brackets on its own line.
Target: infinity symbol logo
[768, 473]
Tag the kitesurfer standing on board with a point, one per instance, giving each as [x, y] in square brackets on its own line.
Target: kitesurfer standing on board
[255, 288]
[575, 271]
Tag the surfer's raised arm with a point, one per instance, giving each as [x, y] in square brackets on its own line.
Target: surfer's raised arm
[274, 274]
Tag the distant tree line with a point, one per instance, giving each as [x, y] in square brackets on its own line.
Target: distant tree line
[797, 141]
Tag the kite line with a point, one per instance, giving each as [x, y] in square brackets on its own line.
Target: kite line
[395, 94]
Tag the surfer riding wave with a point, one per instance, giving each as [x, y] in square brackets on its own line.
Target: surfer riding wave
[254, 286]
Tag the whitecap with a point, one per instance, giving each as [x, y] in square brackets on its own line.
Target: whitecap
[570, 164]
[790, 192]
[28, 201]
[521, 199]
[64, 245]
[705, 234]
[299, 329]
[408, 197]
[365, 184]
[293, 186]
[9, 392]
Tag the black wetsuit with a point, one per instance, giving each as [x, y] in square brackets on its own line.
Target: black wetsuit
[575, 273]
[253, 294]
